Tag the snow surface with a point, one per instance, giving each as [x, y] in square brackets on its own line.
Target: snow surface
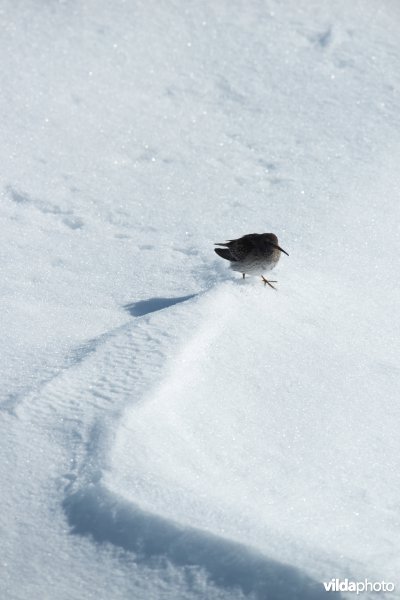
[168, 430]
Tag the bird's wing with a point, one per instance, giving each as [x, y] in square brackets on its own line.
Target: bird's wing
[241, 247]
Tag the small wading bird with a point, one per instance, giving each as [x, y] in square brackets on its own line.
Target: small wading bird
[254, 254]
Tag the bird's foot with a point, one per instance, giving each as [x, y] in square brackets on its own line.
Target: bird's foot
[269, 282]
[244, 275]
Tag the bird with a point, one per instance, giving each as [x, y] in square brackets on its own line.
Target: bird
[254, 253]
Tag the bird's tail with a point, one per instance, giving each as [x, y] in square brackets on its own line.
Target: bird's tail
[224, 253]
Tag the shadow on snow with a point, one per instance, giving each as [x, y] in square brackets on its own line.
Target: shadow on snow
[106, 518]
[143, 307]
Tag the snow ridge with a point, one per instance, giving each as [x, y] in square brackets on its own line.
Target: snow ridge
[95, 510]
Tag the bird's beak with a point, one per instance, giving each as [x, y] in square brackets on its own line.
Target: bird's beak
[281, 249]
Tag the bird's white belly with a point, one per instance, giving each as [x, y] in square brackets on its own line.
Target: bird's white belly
[253, 267]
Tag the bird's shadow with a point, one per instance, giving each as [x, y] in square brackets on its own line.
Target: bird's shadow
[144, 307]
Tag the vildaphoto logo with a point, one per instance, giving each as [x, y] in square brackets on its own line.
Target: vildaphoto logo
[359, 587]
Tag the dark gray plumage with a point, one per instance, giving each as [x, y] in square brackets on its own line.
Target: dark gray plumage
[254, 253]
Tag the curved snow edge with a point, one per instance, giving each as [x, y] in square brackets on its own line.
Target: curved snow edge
[96, 512]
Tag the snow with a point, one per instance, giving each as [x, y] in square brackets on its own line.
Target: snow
[169, 430]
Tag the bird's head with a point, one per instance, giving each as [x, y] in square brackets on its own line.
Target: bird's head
[273, 241]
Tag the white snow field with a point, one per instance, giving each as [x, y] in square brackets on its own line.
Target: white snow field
[168, 430]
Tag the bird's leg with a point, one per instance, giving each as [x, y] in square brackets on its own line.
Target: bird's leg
[244, 275]
[269, 282]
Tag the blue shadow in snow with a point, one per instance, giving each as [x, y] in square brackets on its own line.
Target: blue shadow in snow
[105, 517]
[143, 307]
